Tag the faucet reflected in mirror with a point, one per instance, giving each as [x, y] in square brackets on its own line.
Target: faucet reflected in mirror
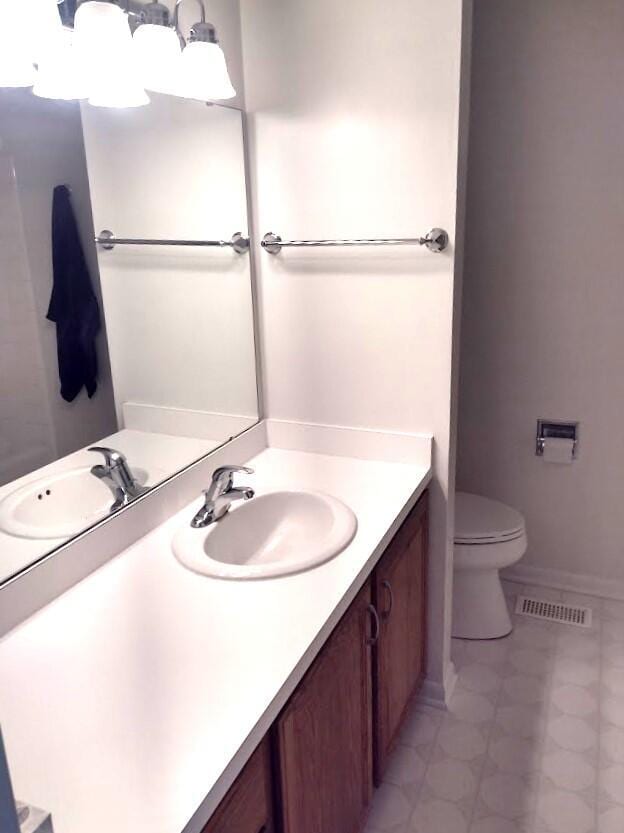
[161, 393]
[117, 473]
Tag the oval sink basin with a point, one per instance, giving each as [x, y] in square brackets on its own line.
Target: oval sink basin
[272, 535]
[59, 505]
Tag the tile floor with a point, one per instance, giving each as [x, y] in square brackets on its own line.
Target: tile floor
[533, 741]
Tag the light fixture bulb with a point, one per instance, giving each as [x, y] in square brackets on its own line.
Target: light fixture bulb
[203, 72]
[106, 57]
[158, 53]
[58, 75]
[16, 62]
[43, 26]
[16, 70]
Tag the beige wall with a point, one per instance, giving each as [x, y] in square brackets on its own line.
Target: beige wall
[543, 323]
[354, 117]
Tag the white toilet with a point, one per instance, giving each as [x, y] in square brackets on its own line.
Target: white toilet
[488, 536]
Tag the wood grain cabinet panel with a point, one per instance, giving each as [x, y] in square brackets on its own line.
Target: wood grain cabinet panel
[399, 594]
[334, 736]
[323, 736]
[247, 807]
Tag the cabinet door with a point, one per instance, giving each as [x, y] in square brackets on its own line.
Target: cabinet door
[247, 808]
[399, 656]
[323, 736]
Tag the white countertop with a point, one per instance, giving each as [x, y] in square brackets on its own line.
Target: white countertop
[132, 701]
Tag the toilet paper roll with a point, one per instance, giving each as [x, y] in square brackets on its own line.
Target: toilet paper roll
[557, 450]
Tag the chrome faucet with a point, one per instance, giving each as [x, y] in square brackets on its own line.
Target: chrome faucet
[116, 470]
[220, 495]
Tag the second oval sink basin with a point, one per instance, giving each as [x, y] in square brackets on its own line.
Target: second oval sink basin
[272, 535]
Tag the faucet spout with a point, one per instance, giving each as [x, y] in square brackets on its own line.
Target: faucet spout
[220, 496]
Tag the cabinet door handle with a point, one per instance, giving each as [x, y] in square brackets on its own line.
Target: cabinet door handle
[387, 586]
[372, 640]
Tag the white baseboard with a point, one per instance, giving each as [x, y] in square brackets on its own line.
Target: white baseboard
[436, 694]
[561, 580]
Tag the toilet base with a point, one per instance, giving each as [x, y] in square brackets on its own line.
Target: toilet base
[479, 605]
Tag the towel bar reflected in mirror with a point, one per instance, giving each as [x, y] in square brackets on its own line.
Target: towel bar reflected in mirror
[107, 240]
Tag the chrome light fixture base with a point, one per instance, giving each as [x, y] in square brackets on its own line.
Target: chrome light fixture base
[155, 13]
[203, 33]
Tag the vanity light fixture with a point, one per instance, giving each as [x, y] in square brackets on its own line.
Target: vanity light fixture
[101, 60]
[204, 74]
[198, 71]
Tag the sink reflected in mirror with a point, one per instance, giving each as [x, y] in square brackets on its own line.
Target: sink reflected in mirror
[59, 505]
[276, 534]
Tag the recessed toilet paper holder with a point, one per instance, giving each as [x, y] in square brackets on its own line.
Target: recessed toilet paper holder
[552, 428]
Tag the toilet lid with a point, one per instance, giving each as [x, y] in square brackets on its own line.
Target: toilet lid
[479, 520]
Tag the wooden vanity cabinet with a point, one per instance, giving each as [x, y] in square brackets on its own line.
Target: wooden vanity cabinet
[323, 737]
[248, 806]
[334, 736]
[399, 594]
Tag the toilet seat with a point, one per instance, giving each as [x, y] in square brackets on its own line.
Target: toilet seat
[480, 520]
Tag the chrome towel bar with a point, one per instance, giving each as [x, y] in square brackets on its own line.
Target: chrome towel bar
[107, 240]
[436, 241]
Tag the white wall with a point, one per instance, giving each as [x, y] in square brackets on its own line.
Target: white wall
[543, 332]
[44, 141]
[179, 320]
[354, 119]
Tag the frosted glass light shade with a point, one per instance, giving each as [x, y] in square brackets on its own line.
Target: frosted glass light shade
[42, 26]
[105, 54]
[59, 76]
[203, 73]
[158, 53]
[16, 60]
[16, 70]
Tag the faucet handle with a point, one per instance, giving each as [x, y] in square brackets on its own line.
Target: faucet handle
[223, 478]
[218, 473]
[112, 457]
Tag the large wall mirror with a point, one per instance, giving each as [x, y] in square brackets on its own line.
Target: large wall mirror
[144, 348]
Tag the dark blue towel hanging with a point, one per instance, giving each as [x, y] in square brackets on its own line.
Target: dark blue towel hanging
[73, 304]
